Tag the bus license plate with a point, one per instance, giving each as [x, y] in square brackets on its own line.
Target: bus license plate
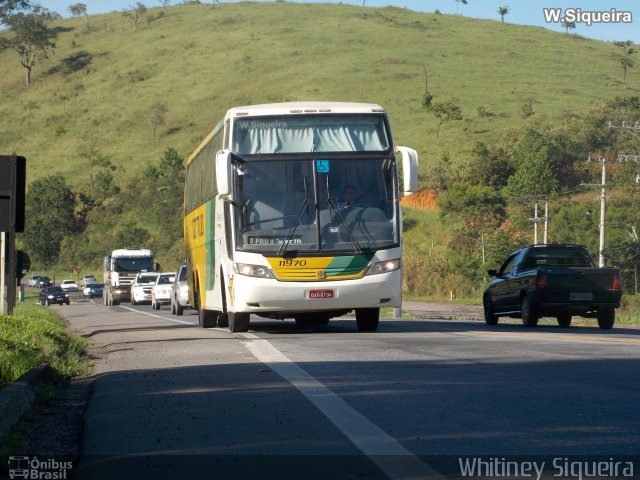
[581, 296]
[320, 293]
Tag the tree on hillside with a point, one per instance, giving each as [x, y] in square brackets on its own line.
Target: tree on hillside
[158, 116]
[164, 4]
[78, 9]
[458, 2]
[502, 11]
[31, 37]
[445, 112]
[533, 167]
[568, 25]
[8, 7]
[625, 58]
[48, 198]
[428, 98]
[135, 15]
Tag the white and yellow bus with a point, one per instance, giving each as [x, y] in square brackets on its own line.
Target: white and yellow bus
[268, 228]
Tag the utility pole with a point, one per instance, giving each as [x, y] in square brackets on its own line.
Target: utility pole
[536, 219]
[603, 206]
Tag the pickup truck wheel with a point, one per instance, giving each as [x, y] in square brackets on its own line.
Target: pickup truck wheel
[606, 318]
[564, 320]
[490, 318]
[529, 313]
[238, 322]
[367, 319]
[178, 309]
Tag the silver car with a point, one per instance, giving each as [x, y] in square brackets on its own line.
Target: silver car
[180, 292]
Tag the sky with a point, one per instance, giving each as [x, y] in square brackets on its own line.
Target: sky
[524, 12]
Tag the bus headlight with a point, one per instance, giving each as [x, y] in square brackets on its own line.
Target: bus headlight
[253, 270]
[384, 267]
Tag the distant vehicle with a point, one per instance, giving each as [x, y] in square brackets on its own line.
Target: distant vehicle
[141, 287]
[180, 292]
[92, 290]
[44, 281]
[87, 279]
[120, 268]
[161, 292]
[51, 295]
[69, 286]
[33, 280]
[552, 280]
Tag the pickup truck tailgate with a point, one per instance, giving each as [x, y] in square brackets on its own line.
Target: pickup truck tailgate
[580, 285]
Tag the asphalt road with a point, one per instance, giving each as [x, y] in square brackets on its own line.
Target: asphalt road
[171, 400]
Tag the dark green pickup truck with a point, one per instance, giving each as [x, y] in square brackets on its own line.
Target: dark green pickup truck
[552, 281]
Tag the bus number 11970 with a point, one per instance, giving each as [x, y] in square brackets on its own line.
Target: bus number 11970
[292, 263]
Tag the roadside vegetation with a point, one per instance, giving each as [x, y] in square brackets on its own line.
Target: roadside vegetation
[34, 335]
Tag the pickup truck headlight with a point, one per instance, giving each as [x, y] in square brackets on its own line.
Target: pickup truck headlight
[384, 267]
[253, 270]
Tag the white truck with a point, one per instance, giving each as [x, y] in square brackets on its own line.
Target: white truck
[120, 269]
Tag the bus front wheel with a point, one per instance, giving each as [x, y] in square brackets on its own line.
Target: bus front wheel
[367, 319]
[238, 322]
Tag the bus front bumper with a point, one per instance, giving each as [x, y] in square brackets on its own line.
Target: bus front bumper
[255, 295]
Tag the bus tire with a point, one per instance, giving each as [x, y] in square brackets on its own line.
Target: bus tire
[207, 318]
[238, 322]
[367, 319]
[223, 320]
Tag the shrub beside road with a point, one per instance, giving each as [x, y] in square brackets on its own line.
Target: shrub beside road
[34, 335]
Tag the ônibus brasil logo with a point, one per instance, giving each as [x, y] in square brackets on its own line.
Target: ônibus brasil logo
[588, 17]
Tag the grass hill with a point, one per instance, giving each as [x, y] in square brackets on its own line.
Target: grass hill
[97, 88]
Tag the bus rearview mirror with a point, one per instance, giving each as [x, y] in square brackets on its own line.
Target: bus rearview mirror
[409, 169]
[223, 170]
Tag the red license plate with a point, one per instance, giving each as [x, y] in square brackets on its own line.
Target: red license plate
[321, 294]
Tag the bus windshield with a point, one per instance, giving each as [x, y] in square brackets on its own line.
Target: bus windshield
[315, 205]
[317, 133]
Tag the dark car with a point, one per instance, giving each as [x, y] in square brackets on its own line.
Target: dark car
[92, 290]
[43, 282]
[51, 295]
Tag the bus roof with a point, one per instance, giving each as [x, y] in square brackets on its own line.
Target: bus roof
[292, 108]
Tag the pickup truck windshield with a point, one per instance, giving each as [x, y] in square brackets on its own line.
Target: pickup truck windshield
[558, 258]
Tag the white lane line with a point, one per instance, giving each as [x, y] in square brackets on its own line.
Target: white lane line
[157, 316]
[386, 452]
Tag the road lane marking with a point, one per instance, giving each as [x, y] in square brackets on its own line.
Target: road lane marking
[383, 450]
[157, 316]
[568, 337]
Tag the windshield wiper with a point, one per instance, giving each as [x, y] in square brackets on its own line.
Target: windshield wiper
[354, 241]
[292, 230]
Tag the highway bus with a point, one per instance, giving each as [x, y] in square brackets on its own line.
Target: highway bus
[266, 225]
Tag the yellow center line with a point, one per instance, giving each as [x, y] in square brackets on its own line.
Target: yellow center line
[562, 337]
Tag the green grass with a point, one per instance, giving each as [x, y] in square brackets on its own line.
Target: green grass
[202, 59]
[35, 335]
